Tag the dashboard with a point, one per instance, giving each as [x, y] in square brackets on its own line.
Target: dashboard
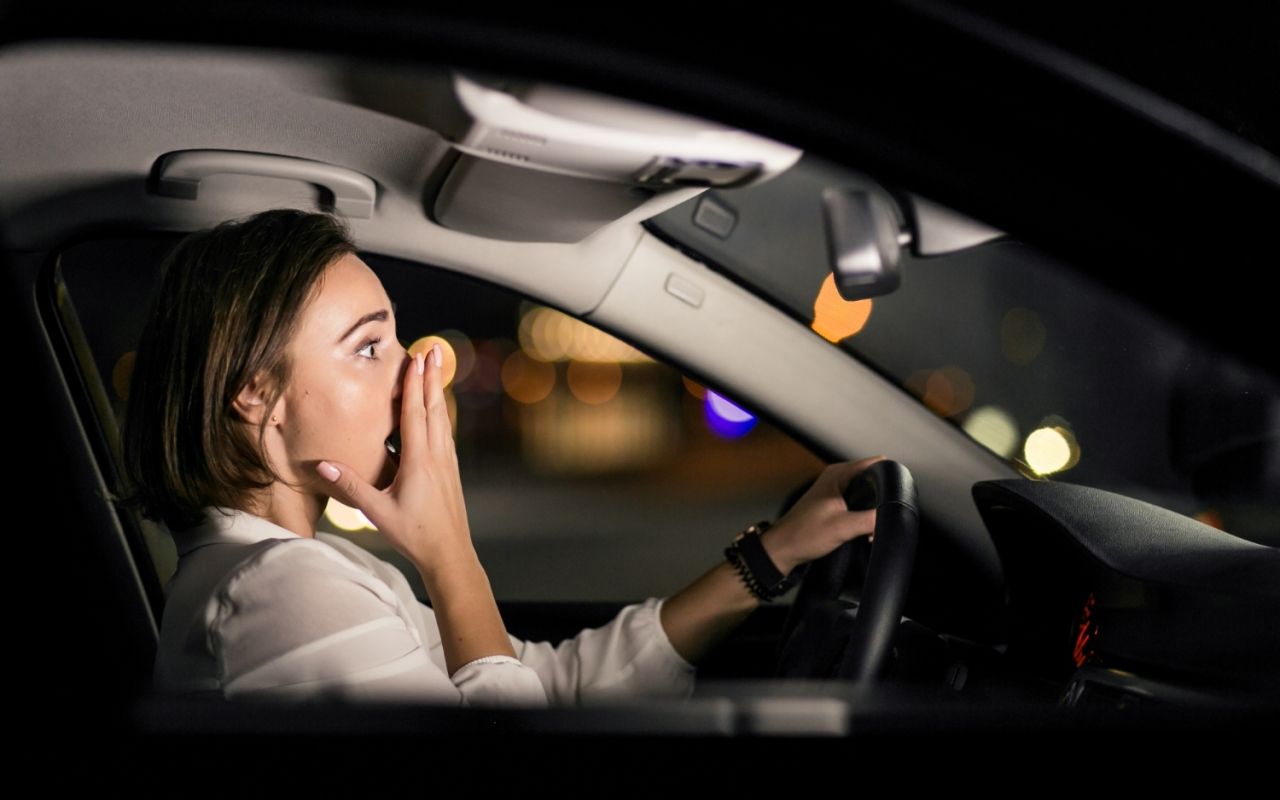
[1118, 601]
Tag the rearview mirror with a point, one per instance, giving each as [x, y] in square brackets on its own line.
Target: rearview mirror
[866, 232]
[865, 236]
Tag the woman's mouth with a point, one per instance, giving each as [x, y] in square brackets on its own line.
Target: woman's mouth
[393, 443]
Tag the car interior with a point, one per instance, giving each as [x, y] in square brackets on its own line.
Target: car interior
[987, 590]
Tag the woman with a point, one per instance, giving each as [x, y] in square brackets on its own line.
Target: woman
[268, 380]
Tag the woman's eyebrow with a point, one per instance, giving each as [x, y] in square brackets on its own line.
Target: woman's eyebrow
[373, 316]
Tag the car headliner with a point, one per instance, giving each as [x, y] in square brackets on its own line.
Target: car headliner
[929, 100]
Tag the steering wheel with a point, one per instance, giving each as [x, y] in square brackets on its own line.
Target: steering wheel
[826, 637]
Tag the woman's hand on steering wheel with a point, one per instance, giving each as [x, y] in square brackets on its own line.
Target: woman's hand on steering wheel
[820, 521]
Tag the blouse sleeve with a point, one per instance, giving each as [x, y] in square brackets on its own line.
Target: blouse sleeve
[298, 621]
[629, 656]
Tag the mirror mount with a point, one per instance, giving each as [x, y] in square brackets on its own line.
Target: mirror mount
[867, 232]
[865, 235]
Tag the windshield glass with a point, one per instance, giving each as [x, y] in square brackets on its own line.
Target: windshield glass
[1035, 361]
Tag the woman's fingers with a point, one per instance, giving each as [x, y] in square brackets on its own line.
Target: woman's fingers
[439, 429]
[413, 410]
[350, 489]
[846, 471]
[861, 522]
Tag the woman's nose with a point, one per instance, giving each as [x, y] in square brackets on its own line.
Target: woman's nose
[405, 363]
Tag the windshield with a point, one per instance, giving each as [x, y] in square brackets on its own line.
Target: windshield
[1055, 373]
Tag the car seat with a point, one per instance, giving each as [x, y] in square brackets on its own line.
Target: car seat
[101, 289]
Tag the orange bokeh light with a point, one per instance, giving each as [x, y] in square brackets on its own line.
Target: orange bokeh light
[594, 382]
[946, 391]
[526, 379]
[835, 318]
[450, 358]
[1211, 516]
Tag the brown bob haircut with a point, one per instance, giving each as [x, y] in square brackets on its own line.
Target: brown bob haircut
[225, 307]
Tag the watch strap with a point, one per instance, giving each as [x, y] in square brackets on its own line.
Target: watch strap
[748, 555]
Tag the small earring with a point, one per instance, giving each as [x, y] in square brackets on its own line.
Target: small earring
[273, 419]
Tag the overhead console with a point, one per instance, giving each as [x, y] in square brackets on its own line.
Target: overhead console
[544, 163]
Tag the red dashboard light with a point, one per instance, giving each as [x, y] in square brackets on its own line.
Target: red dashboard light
[1086, 632]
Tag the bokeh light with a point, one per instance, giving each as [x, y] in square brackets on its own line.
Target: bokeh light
[345, 518]
[693, 387]
[946, 392]
[464, 353]
[484, 382]
[1051, 447]
[993, 428]
[1211, 516]
[448, 357]
[835, 318]
[1022, 335]
[594, 382]
[527, 380]
[725, 418]
[548, 334]
[1046, 450]
[1070, 439]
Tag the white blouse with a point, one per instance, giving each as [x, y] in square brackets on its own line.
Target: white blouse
[255, 610]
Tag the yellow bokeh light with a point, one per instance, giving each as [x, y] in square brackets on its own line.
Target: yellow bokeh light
[593, 382]
[1047, 450]
[346, 518]
[835, 318]
[548, 334]
[525, 335]
[527, 379]
[1070, 439]
[561, 330]
[993, 428]
[449, 357]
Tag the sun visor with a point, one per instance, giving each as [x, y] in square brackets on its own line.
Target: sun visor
[545, 163]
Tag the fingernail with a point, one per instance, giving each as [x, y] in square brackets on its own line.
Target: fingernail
[435, 351]
[421, 362]
[328, 470]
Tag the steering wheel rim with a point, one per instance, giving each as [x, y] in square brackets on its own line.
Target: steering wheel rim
[825, 637]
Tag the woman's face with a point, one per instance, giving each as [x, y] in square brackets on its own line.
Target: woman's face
[344, 397]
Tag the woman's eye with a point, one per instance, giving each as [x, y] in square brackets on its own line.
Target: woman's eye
[369, 345]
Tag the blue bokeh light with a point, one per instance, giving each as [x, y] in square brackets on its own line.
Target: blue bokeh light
[725, 418]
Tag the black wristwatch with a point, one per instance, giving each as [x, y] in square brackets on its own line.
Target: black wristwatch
[747, 554]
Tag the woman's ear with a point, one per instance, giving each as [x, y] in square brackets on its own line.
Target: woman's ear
[251, 404]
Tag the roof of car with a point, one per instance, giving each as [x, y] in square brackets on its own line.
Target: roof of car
[1149, 209]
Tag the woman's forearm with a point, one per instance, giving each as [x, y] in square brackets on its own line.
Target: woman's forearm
[470, 625]
[697, 617]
